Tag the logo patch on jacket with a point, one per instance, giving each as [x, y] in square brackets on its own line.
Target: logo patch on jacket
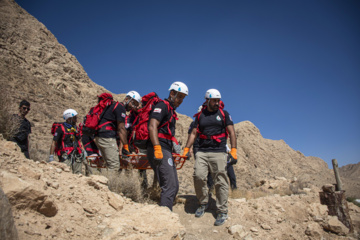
[123, 115]
[157, 110]
[218, 118]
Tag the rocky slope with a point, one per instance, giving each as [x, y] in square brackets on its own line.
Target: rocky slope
[49, 202]
[350, 175]
[34, 66]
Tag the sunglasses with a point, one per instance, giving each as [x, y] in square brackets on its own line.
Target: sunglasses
[26, 108]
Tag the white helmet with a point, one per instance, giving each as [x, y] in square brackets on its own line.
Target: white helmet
[179, 87]
[69, 113]
[212, 93]
[134, 95]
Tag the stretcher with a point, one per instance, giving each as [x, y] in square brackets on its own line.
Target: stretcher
[140, 161]
[96, 161]
[133, 161]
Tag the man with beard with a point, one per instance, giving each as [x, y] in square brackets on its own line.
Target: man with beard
[213, 127]
[161, 124]
[112, 124]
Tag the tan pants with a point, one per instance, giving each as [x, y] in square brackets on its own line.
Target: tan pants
[215, 162]
[109, 151]
[76, 167]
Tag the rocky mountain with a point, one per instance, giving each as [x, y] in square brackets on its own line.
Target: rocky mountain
[350, 175]
[34, 66]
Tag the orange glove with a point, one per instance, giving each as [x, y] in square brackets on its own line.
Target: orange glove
[186, 152]
[158, 152]
[126, 147]
[233, 153]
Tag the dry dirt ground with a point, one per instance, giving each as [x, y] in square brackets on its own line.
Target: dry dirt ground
[49, 202]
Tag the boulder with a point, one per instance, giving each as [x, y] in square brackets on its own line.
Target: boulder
[334, 225]
[23, 195]
[7, 226]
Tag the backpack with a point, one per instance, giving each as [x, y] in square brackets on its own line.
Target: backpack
[214, 137]
[62, 148]
[93, 118]
[139, 135]
[54, 127]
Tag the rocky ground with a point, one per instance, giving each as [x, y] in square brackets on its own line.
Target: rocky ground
[48, 202]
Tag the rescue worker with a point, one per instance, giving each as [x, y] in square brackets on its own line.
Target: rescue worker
[21, 136]
[213, 127]
[129, 121]
[67, 142]
[113, 124]
[162, 122]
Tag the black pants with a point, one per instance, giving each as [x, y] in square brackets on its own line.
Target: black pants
[167, 177]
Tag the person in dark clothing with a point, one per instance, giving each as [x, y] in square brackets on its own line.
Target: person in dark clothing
[129, 120]
[162, 122]
[66, 143]
[214, 125]
[89, 144]
[229, 167]
[22, 134]
[112, 125]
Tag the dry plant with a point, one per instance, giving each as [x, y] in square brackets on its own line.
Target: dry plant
[127, 182]
[8, 127]
[38, 154]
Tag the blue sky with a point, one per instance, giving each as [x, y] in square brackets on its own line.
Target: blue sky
[290, 67]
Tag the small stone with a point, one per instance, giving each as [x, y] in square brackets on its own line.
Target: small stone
[215, 231]
[253, 229]
[135, 229]
[265, 227]
[102, 227]
[55, 185]
[69, 230]
[108, 215]
[58, 170]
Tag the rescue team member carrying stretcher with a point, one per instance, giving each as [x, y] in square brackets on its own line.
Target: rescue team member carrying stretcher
[213, 127]
[162, 134]
[66, 143]
[112, 124]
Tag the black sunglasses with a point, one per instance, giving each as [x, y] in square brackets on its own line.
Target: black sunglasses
[26, 108]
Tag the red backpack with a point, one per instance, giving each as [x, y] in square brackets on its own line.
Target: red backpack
[58, 150]
[93, 118]
[54, 127]
[140, 132]
[214, 137]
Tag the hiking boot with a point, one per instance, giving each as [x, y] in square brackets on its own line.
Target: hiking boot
[201, 210]
[220, 219]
